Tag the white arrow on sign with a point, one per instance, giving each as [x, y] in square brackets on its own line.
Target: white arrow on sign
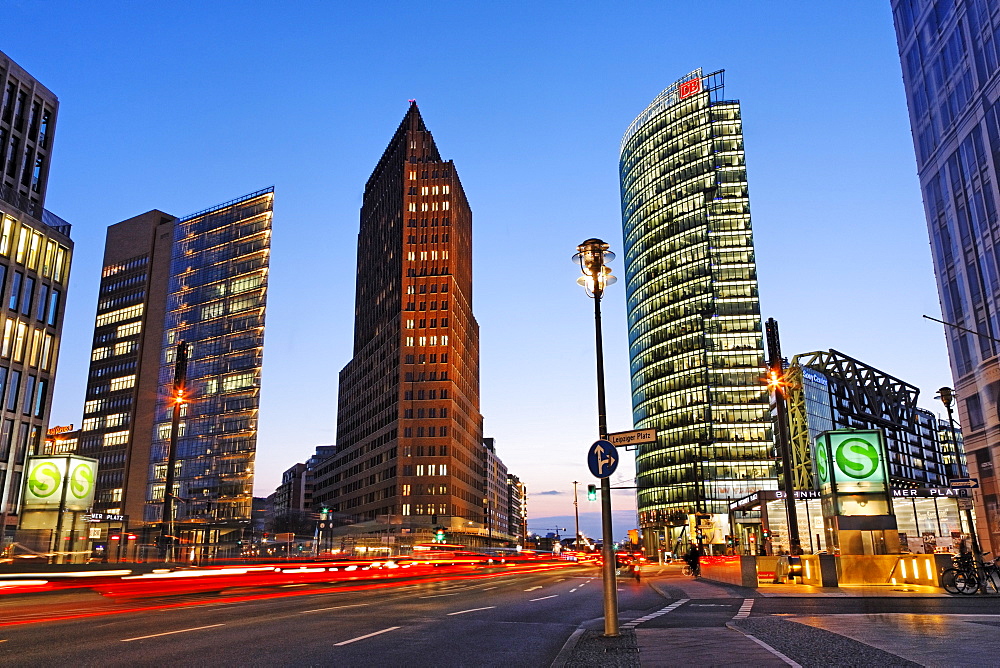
[601, 460]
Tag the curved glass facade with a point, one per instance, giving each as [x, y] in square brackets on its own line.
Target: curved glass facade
[695, 341]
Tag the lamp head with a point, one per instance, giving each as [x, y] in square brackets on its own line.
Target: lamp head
[592, 255]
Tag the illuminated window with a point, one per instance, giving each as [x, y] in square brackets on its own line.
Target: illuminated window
[245, 283]
[238, 381]
[406, 509]
[19, 338]
[423, 340]
[444, 340]
[115, 438]
[412, 255]
[100, 353]
[22, 244]
[36, 347]
[5, 235]
[125, 347]
[413, 176]
[127, 313]
[49, 261]
[213, 310]
[424, 207]
[409, 324]
[122, 382]
[412, 206]
[48, 352]
[445, 189]
[61, 267]
[445, 205]
[34, 246]
[424, 190]
[128, 329]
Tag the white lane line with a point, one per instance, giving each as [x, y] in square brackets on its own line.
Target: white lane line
[773, 651]
[744, 609]
[653, 615]
[533, 588]
[462, 612]
[367, 635]
[488, 588]
[560, 579]
[170, 633]
[438, 595]
[544, 597]
[573, 589]
[336, 607]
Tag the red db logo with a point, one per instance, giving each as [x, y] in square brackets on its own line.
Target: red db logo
[689, 88]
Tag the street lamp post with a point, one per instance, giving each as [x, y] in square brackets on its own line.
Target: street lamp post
[179, 399]
[776, 383]
[947, 397]
[592, 255]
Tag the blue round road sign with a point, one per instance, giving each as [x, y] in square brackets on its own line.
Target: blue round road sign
[602, 459]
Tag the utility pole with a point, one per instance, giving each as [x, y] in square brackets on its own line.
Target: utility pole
[178, 398]
[576, 510]
[776, 383]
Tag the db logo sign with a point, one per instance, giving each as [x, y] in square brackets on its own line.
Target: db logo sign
[689, 88]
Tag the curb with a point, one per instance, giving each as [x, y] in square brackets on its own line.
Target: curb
[567, 651]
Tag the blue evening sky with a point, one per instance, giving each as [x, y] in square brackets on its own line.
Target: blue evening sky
[183, 105]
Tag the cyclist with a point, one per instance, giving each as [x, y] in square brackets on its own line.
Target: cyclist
[693, 559]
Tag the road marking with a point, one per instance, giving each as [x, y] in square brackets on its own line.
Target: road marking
[437, 596]
[533, 588]
[544, 597]
[488, 588]
[744, 609]
[368, 635]
[462, 612]
[560, 579]
[773, 651]
[653, 615]
[573, 589]
[336, 607]
[170, 633]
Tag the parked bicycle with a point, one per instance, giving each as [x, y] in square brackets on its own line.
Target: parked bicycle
[966, 577]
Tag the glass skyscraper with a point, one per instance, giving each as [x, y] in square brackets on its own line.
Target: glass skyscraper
[201, 279]
[694, 323]
[950, 55]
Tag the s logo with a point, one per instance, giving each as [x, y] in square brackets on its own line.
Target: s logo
[857, 458]
[44, 480]
[81, 480]
[822, 457]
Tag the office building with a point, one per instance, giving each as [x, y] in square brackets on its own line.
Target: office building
[495, 491]
[694, 322]
[202, 280]
[830, 390]
[35, 254]
[517, 509]
[950, 56]
[409, 431]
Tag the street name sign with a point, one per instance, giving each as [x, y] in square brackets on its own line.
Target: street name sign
[964, 504]
[967, 483]
[634, 437]
[602, 459]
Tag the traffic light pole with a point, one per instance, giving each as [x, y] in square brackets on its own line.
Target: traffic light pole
[576, 511]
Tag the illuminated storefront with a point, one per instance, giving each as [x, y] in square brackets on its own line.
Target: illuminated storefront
[693, 314]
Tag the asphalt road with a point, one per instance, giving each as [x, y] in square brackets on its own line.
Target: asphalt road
[509, 620]
[499, 620]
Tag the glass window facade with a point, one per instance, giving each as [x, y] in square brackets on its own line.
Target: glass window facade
[695, 344]
[215, 303]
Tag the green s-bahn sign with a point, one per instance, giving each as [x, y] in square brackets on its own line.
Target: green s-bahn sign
[849, 457]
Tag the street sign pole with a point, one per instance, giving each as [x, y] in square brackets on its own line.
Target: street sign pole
[608, 549]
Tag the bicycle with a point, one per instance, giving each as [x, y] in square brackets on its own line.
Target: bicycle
[966, 577]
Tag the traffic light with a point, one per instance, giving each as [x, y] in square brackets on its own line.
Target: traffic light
[767, 534]
[439, 536]
[591, 492]
[729, 541]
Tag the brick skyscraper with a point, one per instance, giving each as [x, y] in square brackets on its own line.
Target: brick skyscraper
[409, 431]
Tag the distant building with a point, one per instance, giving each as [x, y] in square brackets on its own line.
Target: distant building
[694, 323]
[295, 493]
[409, 431]
[61, 440]
[517, 509]
[951, 73]
[201, 280]
[496, 502]
[829, 390]
[35, 257]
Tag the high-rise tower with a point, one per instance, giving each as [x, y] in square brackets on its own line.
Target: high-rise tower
[693, 315]
[35, 251]
[951, 71]
[409, 431]
[202, 280]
